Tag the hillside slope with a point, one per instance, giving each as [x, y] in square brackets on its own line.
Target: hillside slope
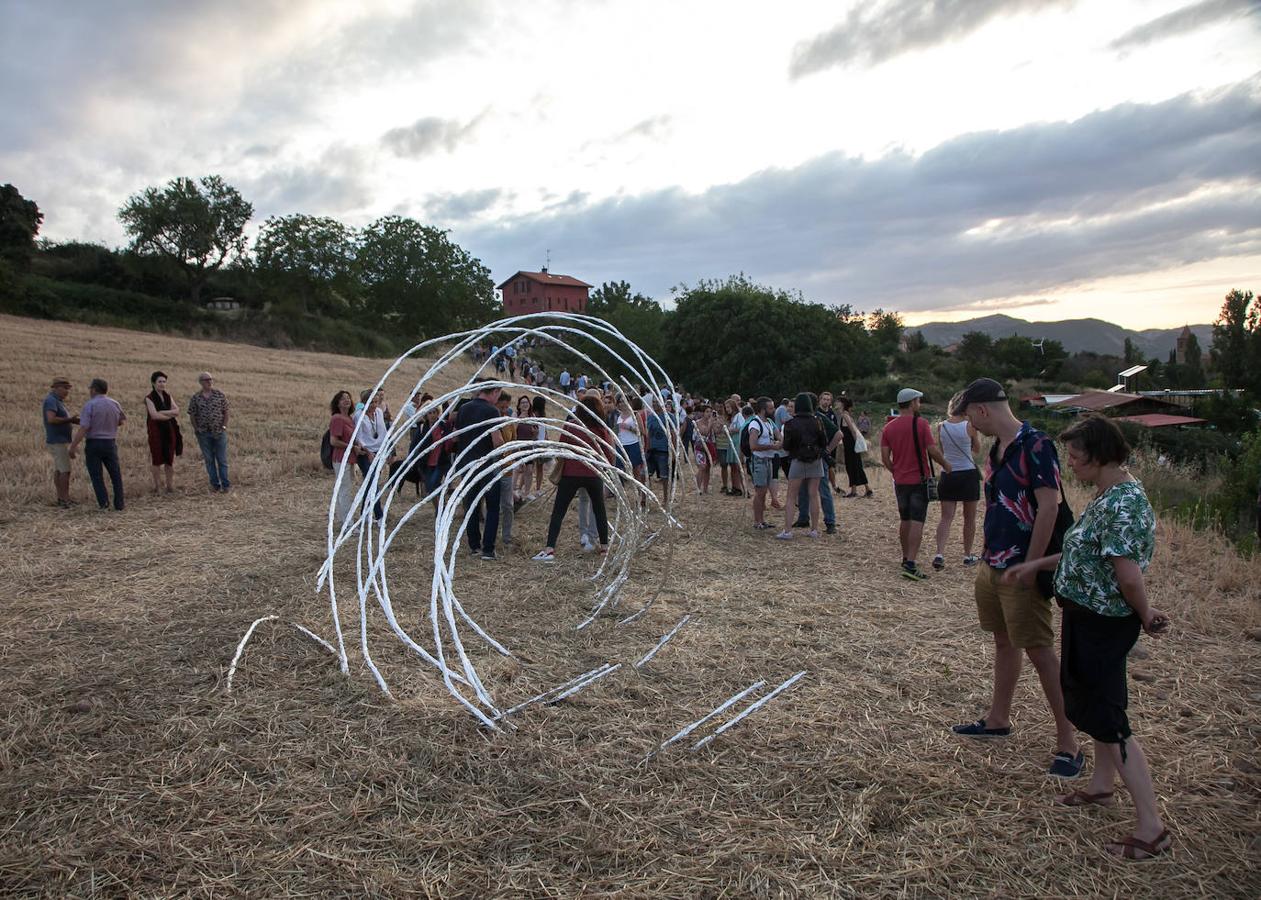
[1077, 335]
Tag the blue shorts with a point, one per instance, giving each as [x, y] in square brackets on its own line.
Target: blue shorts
[763, 471]
[633, 454]
[659, 463]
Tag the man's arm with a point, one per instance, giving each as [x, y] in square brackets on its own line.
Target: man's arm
[1048, 509]
[886, 456]
[226, 411]
[53, 419]
[79, 434]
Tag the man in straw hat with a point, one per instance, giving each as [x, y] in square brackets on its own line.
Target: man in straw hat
[906, 448]
[57, 434]
[1022, 493]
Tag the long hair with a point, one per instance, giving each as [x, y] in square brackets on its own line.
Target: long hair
[590, 412]
[334, 406]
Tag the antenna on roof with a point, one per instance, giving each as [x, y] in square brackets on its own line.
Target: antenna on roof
[548, 263]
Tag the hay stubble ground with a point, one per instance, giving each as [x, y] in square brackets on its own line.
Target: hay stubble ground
[124, 768]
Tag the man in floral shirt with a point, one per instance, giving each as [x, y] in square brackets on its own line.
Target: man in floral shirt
[1022, 496]
[208, 410]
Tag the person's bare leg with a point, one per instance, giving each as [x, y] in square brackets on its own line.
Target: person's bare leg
[170, 478]
[969, 526]
[816, 505]
[1137, 776]
[790, 503]
[759, 505]
[157, 478]
[943, 526]
[723, 474]
[61, 482]
[1008, 661]
[1048, 666]
[903, 530]
[914, 537]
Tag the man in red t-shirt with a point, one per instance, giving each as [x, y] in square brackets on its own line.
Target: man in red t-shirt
[898, 452]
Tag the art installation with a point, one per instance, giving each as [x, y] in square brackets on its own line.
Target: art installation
[452, 628]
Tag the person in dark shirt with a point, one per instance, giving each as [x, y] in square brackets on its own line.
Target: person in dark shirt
[479, 443]
[57, 434]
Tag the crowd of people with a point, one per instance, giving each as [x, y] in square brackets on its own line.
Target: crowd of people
[97, 431]
[1031, 553]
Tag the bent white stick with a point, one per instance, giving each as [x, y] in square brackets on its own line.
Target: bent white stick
[661, 643]
[726, 704]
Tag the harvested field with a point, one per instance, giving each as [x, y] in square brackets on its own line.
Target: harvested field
[126, 769]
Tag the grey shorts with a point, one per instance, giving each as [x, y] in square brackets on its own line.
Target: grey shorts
[61, 457]
[799, 469]
[763, 471]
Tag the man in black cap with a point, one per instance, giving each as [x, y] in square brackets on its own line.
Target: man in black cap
[1022, 496]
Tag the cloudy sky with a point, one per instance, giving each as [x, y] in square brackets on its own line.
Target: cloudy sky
[1043, 158]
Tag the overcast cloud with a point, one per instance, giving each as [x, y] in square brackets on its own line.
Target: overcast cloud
[1189, 18]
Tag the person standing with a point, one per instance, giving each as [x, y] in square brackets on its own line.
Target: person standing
[805, 443]
[827, 412]
[165, 440]
[826, 500]
[208, 411]
[727, 434]
[585, 430]
[907, 450]
[1099, 579]
[99, 421]
[508, 433]
[565, 381]
[1022, 497]
[960, 443]
[341, 437]
[371, 432]
[476, 444]
[763, 443]
[855, 471]
[57, 434]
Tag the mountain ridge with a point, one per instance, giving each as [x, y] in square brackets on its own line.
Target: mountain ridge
[1077, 335]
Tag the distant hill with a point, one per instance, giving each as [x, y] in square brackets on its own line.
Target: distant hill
[1077, 335]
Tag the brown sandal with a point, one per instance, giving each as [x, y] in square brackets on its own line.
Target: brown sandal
[1082, 798]
[1131, 847]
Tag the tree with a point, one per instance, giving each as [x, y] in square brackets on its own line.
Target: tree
[916, 342]
[1131, 355]
[19, 224]
[198, 225]
[1236, 349]
[307, 262]
[420, 282]
[1194, 365]
[640, 318]
[886, 329]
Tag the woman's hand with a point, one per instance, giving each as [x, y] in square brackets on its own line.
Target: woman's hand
[1020, 572]
[1155, 622]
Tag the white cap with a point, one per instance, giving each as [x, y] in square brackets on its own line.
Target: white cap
[906, 395]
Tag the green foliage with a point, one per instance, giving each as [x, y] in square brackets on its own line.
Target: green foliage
[307, 263]
[1237, 342]
[885, 329]
[197, 225]
[1227, 412]
[738, 335]
[640, 318]
[413, 278]
[19, 223]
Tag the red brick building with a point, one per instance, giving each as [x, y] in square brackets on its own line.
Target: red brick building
[527, 292]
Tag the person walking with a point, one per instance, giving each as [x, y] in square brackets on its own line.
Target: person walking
[99, 421]
[165, 440]
[526, 431]
[805, 442]
[907, 451]
[586, 430]
[1099, 580]
[855, 471]
[341, 434]
[208, 412]
[764, 443]
[476, 444]
[960, 443]
[57, 435]
[1022, 497]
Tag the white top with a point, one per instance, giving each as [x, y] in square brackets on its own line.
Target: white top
[762, 434]
[371, 434]
[626, 429]
[957, 446]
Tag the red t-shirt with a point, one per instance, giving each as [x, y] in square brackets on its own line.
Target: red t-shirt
[342, 428]
[897, 437]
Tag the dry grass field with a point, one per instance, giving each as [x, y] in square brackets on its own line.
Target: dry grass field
[125, 769]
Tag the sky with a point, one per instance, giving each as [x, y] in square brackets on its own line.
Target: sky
[1046, 159]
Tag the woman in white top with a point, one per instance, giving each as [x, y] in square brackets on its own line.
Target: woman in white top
[960, 443]
[629, 428]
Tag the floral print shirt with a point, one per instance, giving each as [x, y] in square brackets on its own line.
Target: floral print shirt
[1029, 464]
[1118, 523]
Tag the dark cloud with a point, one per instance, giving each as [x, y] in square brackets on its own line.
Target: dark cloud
[872, 34]
[429, 135]
[1127, 190]
[335, 184]
[1181, 21]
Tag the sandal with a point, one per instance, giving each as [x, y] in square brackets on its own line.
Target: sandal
[1130, 847]
[1084, 798]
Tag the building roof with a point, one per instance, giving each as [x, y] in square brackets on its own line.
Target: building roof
[1096, 400]
[548, 278]
[1160, 420]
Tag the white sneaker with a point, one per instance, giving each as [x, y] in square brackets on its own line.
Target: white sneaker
[587, 546]
[545, 556]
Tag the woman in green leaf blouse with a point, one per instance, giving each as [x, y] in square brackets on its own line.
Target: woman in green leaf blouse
[1099, 582]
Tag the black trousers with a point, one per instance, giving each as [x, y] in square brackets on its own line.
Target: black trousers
[98, 454]
[1093, 650]
[477, 539]
[565, 493]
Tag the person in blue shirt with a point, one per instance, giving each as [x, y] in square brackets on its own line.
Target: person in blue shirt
[659, 448]
[57, 422]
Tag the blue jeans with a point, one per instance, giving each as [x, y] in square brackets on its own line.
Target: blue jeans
[362, 461]
[214, 453]
[477, 539]
[825, 501]
[98, 454]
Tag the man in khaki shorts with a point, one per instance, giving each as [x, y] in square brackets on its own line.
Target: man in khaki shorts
[57, 422]
[1022, 496]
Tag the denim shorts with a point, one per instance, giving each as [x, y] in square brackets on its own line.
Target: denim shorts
[763, 471]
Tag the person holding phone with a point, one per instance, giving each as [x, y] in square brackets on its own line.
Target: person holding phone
[1099, 582]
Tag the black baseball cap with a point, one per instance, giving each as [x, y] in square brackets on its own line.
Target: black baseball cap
[983, 390]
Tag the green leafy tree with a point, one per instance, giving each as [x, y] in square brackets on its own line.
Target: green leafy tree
[198, 225]
[1131, 355]
[1195, 378]
[19, 224]
[640, 318]
[916, 342]
[1236, 349]
[885, 329]
[415, 278]
[307, 263]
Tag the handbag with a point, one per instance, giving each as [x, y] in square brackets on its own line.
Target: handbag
[930, 483]
[1064, 519]
[558, 467]
[860, 442]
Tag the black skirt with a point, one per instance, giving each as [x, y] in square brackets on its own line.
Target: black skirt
[1093, 649]
[963, 486]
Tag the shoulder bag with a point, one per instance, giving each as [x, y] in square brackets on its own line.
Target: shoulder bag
[930, 482]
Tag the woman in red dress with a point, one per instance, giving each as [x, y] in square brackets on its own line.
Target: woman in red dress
[165, 440]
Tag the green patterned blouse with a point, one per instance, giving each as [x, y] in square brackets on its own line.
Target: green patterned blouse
[1120, 522]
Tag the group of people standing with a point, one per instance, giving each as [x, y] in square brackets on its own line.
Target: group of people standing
[101, 417]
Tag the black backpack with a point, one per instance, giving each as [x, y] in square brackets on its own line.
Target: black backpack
[326, 451]
[746, 450]
[810, 451]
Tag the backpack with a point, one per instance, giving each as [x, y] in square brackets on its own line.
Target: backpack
[810, 452]
[326, 451]
[746, 449]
